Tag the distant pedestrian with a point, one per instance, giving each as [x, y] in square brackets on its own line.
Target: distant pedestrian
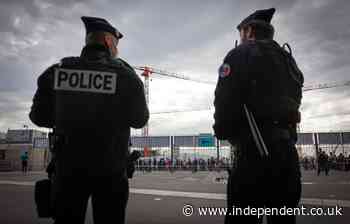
[24, 159]
[154, 163]
[347, 166]
[323, 163]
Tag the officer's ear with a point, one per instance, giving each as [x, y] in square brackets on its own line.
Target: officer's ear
[112, 43]
[247, 33]
[108, 41]
[250, 33]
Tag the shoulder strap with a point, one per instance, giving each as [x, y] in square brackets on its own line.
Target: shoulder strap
[286, 46]
[69, 61]
[126, 64]
[293, 68]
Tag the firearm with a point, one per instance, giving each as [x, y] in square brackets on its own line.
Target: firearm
[43, 188]
[135, 155]
[56, 141]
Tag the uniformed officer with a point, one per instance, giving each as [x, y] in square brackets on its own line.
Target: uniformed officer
[257, 101]
[91, 101]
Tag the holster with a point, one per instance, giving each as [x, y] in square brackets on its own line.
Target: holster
[56, 141]
[279, 133]
[42, 196]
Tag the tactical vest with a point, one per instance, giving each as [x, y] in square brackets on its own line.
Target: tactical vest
[275, 84]
[87, 97]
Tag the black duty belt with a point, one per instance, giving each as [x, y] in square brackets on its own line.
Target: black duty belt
[280, 133]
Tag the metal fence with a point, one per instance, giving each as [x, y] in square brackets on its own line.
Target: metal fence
[207, 147]
[187, 152]
[190, 147]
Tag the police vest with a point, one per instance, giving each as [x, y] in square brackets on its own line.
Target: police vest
[275, 84]
[87, 97]
[85, 81]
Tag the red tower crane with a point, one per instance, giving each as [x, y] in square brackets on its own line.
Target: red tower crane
[146, 74]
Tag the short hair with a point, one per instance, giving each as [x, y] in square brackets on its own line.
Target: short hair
[261, 31]
[96, 37]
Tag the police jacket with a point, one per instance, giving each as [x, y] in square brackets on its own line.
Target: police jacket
[91, 101]
[264, 77]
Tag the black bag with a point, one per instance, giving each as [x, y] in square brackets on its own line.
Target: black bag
[42, 196]
[276, 84]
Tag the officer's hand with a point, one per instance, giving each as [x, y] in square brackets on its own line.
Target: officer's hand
[130, 169]
[134, 156]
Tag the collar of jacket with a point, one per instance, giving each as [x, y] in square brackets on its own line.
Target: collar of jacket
[96, 53]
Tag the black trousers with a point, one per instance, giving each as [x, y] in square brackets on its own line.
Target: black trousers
[322, 167]
[272, 182]
[109, 196]
[24, 166]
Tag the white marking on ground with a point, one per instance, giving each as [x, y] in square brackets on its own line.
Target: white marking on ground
[182, 194]
[333, 183]
[344, 182]
[22, 183]
[198, 195]
[190, 179]
[307, 183]
[157, 199]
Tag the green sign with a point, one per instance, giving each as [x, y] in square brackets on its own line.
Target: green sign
[206, 140]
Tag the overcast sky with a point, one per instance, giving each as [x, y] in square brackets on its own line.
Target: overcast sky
[186, 37]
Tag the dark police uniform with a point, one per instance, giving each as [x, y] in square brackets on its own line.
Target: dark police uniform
[263, 76]
[91, 101]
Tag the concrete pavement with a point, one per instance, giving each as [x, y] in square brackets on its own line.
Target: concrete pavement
[159, 197]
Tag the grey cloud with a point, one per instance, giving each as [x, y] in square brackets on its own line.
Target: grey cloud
[13, 109]
[320, 31]
[182, 123]
[186, 37]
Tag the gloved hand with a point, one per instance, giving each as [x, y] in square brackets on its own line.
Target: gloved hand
[135, 155]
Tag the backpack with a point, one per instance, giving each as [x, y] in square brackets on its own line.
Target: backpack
[275, 84]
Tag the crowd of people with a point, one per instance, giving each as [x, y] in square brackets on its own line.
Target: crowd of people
[326, 162]
[194, 165]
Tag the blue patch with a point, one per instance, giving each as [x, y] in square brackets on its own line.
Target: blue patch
[224, 70]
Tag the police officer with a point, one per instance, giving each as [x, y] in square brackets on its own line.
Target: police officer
[257, 101]
[91, 101]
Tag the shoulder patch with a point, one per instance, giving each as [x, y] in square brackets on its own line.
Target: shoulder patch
[85, 81]
[224, 70]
